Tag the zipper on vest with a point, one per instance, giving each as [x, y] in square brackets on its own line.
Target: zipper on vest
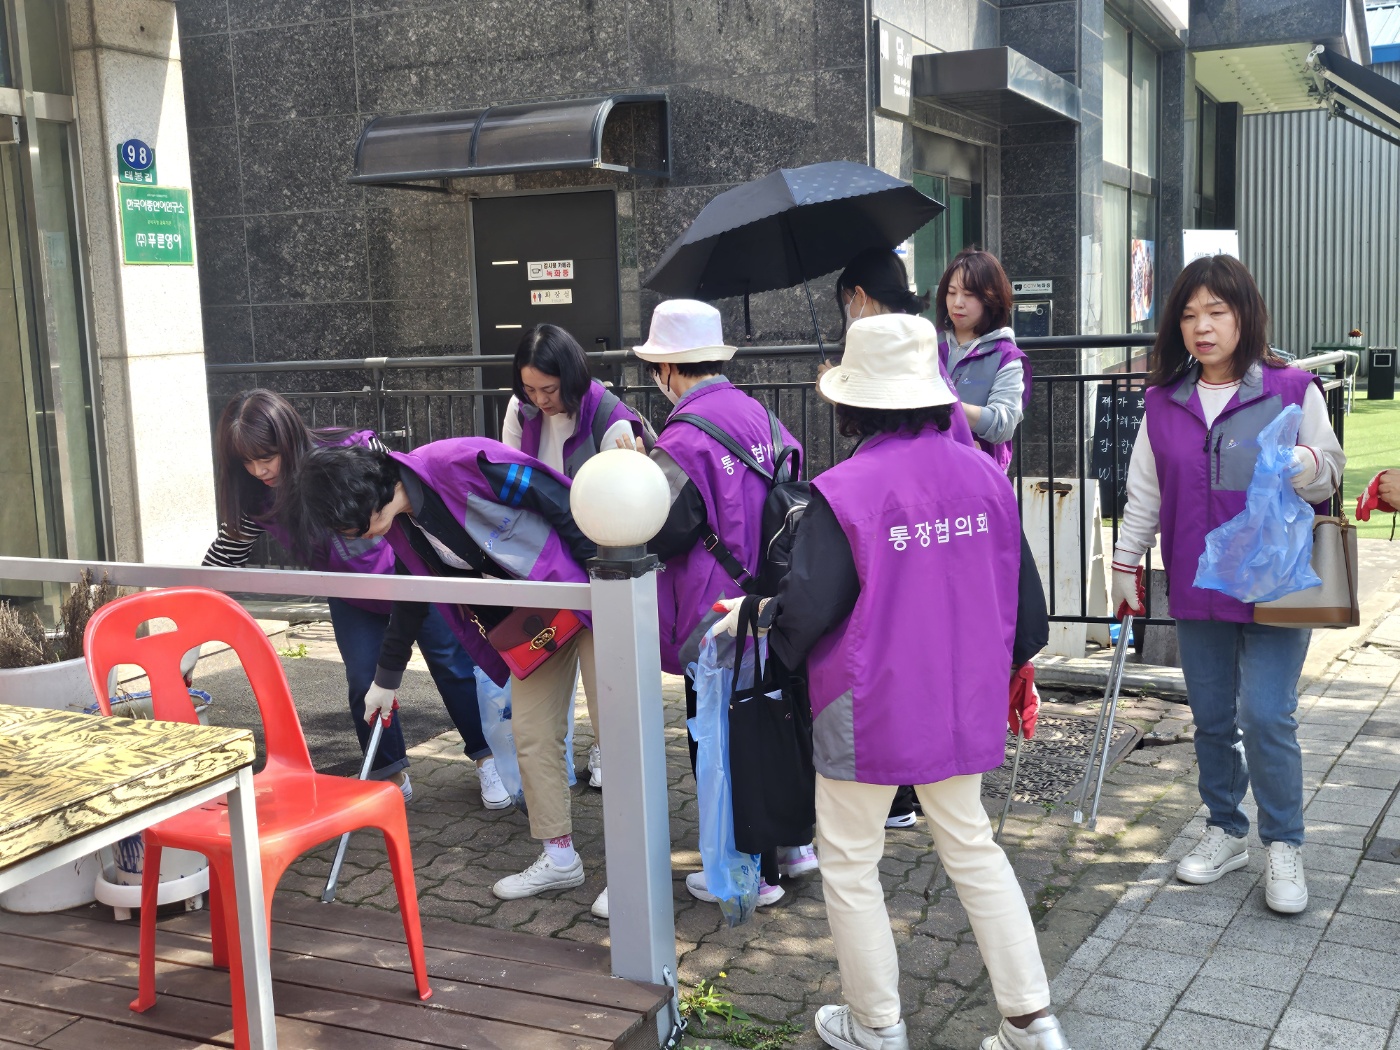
[1219, 440]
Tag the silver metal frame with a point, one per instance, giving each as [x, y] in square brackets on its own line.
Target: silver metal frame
[247, 882]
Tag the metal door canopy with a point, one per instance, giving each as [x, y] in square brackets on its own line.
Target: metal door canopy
[503, 140]
[1345, 85]
[996, 84]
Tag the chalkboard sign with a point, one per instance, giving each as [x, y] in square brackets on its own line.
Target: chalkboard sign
[1126, 405]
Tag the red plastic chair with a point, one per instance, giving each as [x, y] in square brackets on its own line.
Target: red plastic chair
[297, 808]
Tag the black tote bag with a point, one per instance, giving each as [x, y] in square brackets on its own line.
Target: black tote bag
[770, 754]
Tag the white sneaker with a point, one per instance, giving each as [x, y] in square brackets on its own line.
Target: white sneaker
[405, 785]
[1285, 888]
[595, 767]
[902, 820]
[1212, 857]
[838, 1028]
[796, 860]
[1041, 1034]
[540, 877]
[493, 792]
[695, 883]
[600, 906]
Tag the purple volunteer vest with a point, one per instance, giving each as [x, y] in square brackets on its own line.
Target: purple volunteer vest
[912, 687]
[733, 495]
[1203, 473]
[340, 553]
[519, 541]
[972, 382]
[579, 448]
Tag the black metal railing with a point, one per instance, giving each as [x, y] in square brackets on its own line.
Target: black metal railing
[1061, 448]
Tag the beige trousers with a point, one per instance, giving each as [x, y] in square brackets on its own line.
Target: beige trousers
[851, 843]
[540, 721]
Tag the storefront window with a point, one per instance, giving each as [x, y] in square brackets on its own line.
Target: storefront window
[1115, 92]
[1144, 108]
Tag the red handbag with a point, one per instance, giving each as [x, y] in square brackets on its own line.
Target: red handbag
[528, 637]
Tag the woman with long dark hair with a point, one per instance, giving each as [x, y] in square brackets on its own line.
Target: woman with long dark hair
[260, 442]
[1214, 386]
[991, 375]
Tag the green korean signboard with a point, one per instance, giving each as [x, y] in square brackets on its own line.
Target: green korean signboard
[156, 226]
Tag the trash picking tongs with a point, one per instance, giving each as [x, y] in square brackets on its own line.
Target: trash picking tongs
[328, 894]
[1106, 714]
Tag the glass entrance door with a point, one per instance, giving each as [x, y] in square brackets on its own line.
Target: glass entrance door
[959, 227]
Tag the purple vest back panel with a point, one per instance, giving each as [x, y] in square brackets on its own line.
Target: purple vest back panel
[912, 687]
[1203, 473]
[733, 495]
[578, 448]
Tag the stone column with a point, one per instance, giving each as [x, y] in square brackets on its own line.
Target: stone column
[150, 346]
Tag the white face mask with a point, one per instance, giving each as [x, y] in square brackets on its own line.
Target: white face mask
[665, 388]
[846, 309]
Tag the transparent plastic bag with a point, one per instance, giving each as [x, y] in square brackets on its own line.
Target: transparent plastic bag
[493, 701]
[1265, 551]
[730, 875]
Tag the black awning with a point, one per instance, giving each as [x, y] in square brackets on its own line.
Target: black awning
[995, 84]
[1373, 100]
[529, 136]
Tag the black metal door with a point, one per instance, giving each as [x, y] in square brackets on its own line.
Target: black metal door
[546, 258]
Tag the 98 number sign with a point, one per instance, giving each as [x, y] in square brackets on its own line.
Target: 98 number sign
[136, 162]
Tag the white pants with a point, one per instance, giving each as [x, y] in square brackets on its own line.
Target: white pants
[850, 844]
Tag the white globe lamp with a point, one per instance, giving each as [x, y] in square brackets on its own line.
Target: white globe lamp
[620, 499]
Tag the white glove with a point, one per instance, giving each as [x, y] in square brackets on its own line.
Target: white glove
[729, 622]
[1305, 467]
[187, 663]
[1127, 594]
[380, 703]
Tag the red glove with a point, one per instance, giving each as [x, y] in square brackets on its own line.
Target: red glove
[1371, 500]
[1127, 590]
[1025, 701]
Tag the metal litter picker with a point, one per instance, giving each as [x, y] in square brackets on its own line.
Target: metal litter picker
[328, 894]
[1106, 715]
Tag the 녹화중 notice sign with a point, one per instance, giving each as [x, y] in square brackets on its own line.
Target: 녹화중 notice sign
[550, 270]
[156, 226]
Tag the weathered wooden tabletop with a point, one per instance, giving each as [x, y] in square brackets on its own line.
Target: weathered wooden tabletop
[63, 774]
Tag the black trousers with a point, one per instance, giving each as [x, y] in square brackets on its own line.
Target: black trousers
[768, 859]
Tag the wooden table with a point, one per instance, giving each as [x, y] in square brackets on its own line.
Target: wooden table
[71, 783]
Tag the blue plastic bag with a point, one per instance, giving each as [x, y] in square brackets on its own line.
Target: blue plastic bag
[730, 875]
[1265, 551]
[494, 703]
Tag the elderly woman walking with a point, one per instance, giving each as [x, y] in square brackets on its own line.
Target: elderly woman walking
[912, 598]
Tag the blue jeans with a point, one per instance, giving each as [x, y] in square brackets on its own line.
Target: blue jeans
[1242, 683]
[358, 635]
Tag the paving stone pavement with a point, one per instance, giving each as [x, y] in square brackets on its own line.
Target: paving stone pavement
[1137, 960]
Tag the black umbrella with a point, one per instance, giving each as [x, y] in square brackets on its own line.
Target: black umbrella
[788, 227]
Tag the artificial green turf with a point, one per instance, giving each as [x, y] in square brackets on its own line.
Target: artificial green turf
[1372, 442]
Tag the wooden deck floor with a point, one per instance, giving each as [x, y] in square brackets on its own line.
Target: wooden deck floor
[341, 982]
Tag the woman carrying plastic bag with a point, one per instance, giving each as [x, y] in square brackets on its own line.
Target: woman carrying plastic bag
[1213, 398]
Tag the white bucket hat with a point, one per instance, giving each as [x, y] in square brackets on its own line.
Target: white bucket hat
[891, 362]
[684, 331]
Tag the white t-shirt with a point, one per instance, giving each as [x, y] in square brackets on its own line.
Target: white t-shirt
[1317, 452]
[556, 430]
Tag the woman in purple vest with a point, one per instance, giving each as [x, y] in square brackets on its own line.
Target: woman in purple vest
[473, 507]
[912, 598]
[1214, 386]
[259, 441]
[991, 375]
[554, 415]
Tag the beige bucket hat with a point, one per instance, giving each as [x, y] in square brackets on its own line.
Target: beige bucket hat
[684, 331]
[890, 362]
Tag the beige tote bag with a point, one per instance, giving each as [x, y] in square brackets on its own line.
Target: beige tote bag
[1334, 604]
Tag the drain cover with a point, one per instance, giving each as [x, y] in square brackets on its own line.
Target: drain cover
[1052, 763]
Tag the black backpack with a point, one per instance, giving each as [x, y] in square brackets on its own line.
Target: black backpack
[782, 510]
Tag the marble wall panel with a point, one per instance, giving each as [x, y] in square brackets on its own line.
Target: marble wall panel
[307, 257]
[228, 334]
[214, 171]
[261, 14]
[207, 68]
[197, 17]
[299, 165]
[223, 260]
[1044, 32]
[418, 250]
[423, 327]
[301, 71]
[313, 331]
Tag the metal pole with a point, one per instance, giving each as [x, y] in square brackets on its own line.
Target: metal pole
[636, 817]
[328, 894]
[1110, 701]
[1011, 787]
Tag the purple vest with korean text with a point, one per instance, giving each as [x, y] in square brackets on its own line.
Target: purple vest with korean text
[1203, 473]
[692, 582]
[972, 381]
[336, 553]
[521, 543]
[579, 448]
[911, 688]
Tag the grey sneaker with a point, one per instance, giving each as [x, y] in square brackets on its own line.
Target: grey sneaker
[838, 1028]
[1212, 857]
[1285, 888]
[595, 767]
[540, 877]
[1041, 1034]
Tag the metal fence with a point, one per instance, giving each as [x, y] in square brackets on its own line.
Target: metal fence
[1063, 451]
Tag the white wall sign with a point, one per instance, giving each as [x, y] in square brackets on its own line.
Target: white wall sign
[551, 296]
[1032, 287]
[556, 270]
[1197, 244]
